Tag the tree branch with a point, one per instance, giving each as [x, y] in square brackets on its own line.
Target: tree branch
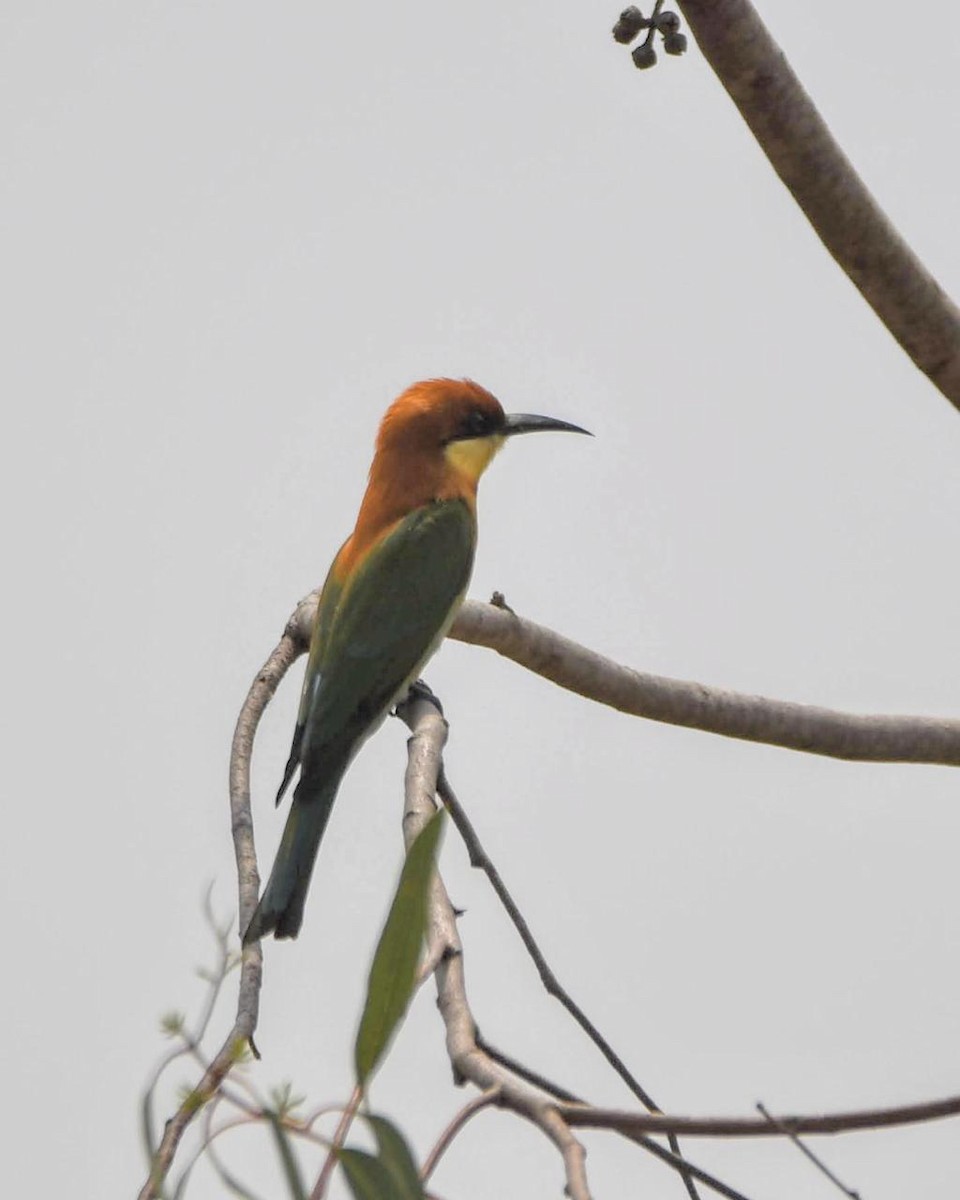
[796, 726]
[844, 215]
[460, 1119]
[586, 1116]
[470, 1063]
[480, 860]
[808, 1153]
[806, 727]
[248, 881]
[697, 706]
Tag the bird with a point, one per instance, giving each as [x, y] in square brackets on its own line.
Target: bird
[389, 599]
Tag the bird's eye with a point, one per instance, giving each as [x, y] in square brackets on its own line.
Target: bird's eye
[478, 421]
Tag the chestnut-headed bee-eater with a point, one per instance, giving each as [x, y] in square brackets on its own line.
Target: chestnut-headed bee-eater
[387, 603]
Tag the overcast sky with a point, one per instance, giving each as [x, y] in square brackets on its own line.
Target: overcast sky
[232, 232]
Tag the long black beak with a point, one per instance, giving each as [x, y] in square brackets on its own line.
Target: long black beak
[531, 423]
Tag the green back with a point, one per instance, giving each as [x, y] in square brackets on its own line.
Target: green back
[374, 635]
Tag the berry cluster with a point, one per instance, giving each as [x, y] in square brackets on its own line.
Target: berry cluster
[667, 24]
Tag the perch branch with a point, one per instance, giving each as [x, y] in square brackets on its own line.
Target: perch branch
[251, 970]
[470, 1063]
[804, 727]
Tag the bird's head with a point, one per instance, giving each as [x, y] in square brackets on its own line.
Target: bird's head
[457, 421]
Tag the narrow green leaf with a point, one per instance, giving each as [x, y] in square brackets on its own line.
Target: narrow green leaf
[288, 1160]
[395, 1155]
[394, 968]
[368, 1178]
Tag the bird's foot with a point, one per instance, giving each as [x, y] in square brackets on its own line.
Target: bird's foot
[420, 690]
[499, 600]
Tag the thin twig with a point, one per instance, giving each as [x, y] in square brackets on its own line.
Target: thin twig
[469, 1110]
[804, 1149]
[429, 732]
[190, 1043]
[261, 691]
[339, 1137]
[845, 216]
[683, 1166]
[480, 859]
[686, 1167]
[523, 1072]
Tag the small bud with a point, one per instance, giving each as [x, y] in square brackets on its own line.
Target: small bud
[172, 1023]
[644, 56]
[630, 23]
[667, 22]
[675, 43]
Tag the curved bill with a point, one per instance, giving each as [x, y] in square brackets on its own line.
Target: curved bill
[531, 423]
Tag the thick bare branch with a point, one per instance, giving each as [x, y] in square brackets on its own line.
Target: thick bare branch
[845, 216]
[470, 1063]
[697, 706]
[806, 727]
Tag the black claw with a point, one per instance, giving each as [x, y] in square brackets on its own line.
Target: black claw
[420, 690]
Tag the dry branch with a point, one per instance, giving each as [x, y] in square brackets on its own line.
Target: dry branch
[470, 1063]
[586, 1116]
[800, 727]
[844, 215]
[695, 705]
[854, 737]
[261, 692]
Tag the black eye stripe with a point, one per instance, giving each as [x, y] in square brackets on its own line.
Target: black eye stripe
[478, 421]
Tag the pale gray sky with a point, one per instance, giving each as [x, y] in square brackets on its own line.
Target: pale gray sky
[232, 233]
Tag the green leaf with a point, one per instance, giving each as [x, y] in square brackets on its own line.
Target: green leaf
[394, 968]
[368, 1178]
[288, 1160]
[391, 1174]
[395, 1155]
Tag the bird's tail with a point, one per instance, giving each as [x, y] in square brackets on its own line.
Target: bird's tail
[281, 906]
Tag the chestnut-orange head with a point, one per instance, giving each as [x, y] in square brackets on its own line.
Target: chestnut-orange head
[454, 425]
[435, 441]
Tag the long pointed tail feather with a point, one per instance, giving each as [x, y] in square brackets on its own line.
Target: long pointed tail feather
[281, 906]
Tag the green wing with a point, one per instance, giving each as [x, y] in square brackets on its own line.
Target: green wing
[375, 634]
